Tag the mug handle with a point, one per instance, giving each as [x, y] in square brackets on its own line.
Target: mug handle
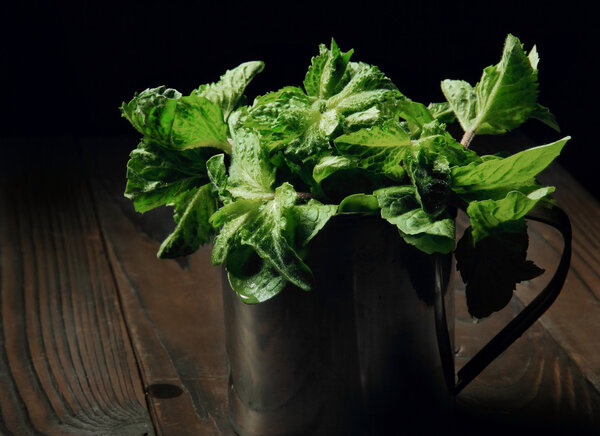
[553, 216]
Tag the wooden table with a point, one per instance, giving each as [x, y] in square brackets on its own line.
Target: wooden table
[99, 337]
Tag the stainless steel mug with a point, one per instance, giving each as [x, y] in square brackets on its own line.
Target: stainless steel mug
[369, 349]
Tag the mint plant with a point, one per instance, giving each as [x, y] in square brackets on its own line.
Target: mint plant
[262, 180]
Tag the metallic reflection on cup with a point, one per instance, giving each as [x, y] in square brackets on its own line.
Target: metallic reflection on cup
[356, 355]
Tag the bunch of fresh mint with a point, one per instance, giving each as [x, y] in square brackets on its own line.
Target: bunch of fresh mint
[264, 179]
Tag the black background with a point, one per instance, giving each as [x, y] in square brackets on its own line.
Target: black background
[67, 66]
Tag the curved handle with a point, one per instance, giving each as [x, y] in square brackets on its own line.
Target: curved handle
[554, 217]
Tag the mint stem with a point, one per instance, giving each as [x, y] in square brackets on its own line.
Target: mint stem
[467, 138]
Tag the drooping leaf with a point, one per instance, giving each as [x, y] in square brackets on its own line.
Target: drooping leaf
[253, 287]
[158, 176]
[228, 91]
[262, 223]
[488, 215]
[493, 266]
[400, 207]
[257, 242]
[192, 211]
[264, 232]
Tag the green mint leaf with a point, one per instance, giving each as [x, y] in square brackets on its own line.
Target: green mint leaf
[442, 112]
[415, 114]
[534, 58]
[500, 192]
[542, 113]
[253, 279]
[308, 219]
[217, 172]
[430, 175]
[462, 99]
[285, 116]
[262, 224]
[198, 123]
[512, 171]
[364, 204]
[361, 119]
[250, 173]
[229, 90]
[331, 164]
[342, 96]
[507, 92]
[326, 71]
[436, 140]
[388, 149]
[265, 232]
[230, 218]
[432, 243]
[152, 112]
[493, 266]
[192, 211]
[396, 200]
[367, 87]
[488, 215]
[505, 96]
[158, 176]
[380, 148]
[173, 121]
[234, 210]
[400, 207]
[427, 234]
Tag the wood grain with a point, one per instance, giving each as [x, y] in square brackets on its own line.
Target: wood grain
[66, 363]
[173, 308]
[533, 385]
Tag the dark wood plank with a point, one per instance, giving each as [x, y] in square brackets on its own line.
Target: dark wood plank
[533, 385]
[66, 363]
[173, 308]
